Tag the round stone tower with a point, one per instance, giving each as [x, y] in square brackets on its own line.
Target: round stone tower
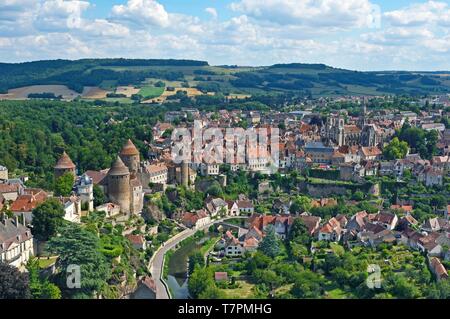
[119, 191]
[64, 165]
[185, 174]
[130, 156]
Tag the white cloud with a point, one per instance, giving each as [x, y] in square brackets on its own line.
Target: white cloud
[16, 17]
[325, 13]
[420, 14]
[144, 12]
[212, 12]
[257, 33]
[57, 15]
[102, 27]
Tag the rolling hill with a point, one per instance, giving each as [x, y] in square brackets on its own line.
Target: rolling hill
[296, 78]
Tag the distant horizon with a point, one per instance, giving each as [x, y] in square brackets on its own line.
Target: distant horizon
[225, 65]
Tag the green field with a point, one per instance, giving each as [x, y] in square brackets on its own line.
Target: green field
[149, 92]
[245, 291]
[122, 100]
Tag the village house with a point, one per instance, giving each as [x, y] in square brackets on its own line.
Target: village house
[146, 289]
[281, 224]
[196, 219]
[110, 209]
[16, 243]
[311, 222]
[357, 222]
[406, 222]
[331, 231]
[216, 206]
[10, 192]
[319, 153]
[138, 241]
[438, 269]
[72, 208]
[431, 176]
[29, 200]
[233, 209]
[245, 207]
[233, 247]
[281, 206]
[428, 244]
[351, 171]
[386, 219]
[156, 173]
[370, 153]
[433, 224]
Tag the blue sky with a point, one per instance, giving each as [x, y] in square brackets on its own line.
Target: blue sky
[353, 34]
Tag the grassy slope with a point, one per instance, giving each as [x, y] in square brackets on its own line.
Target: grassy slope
[288, 74]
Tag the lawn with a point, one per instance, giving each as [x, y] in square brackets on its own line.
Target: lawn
[45, 263]
[245, 291]
[336, 294]
[150, 92]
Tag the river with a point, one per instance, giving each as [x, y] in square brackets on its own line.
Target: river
[177, 278]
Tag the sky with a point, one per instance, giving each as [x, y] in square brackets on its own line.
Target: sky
[351, 34]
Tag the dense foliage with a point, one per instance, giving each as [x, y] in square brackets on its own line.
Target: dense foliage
[13, 283]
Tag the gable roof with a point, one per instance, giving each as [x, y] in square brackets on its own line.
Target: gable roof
[12, 232]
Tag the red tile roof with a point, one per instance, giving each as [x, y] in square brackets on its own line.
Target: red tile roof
[65, 162]
[129, 149]
[28, 202]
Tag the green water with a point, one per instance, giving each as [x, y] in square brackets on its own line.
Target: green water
[178, 268]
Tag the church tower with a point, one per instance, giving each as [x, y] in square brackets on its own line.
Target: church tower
[64, 165]
[363, 116]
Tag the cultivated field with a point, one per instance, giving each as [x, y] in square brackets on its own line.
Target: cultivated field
[191, 92]
[127, 90]
[23, 92]
[94, 93]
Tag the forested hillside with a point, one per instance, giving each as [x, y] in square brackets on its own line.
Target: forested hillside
[298, 78]
[35, 133]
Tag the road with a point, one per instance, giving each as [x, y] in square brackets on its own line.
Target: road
[157, 261]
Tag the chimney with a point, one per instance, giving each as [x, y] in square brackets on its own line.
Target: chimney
[17, 221]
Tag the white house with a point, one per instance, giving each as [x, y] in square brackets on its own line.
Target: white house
[16, 243]
[158, 173]
[196, 220]
[216, 206]
[233, 209]
[72, 208]
[245, 207]
[331, 231]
